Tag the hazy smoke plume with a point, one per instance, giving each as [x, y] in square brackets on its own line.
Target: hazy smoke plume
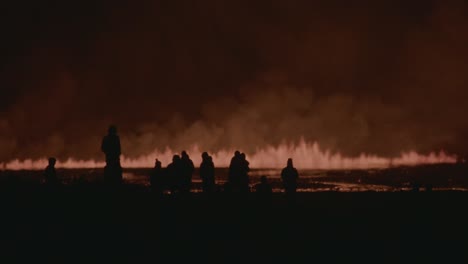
[377, 78]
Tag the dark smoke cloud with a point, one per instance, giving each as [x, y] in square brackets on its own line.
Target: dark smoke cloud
[367, 76]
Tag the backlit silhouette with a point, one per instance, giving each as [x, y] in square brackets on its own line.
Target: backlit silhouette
[207, 173]
[233, 175]
[50, 174]
[238, 178]
[174, 172]
[289, 175]
[157, 180]
[187, 169]
[111, 148]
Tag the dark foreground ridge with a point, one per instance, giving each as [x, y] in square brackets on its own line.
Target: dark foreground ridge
[112, 221]
[131, 224]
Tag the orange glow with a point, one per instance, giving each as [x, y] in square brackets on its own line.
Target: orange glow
[306, 156]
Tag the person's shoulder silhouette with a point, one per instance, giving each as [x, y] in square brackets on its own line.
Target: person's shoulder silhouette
[244, 164]
[210, 161]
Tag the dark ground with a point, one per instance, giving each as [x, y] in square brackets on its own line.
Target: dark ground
[440, 176]
[88, 223]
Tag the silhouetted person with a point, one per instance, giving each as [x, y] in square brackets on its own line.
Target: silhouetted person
[207, 173]
[187, 169]
[111, 148]
[157, 178]
[238, 178]
[50, 174]
[174, 172]
[263, 188]
[289, 175]
[233, 174]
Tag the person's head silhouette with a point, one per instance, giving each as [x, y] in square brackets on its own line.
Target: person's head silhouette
[290, 162]
[112, 130]
[52, 162]
[158, 164]
[205, 155]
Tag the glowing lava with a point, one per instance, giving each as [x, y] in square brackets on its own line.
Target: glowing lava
[306, 156]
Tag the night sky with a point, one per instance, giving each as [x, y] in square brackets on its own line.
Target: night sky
[378, 77]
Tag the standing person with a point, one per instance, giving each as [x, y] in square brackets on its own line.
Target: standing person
[174, 174]
[234, 167]
[111, 148]
[157, 178]
[50, 174]
[207, 173]
[289, 175]
[234, 172]
[187, 168]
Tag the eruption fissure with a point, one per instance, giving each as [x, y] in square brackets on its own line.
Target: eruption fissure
[306, 155]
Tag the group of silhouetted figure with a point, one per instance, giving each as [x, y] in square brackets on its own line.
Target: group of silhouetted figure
[177, 177]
